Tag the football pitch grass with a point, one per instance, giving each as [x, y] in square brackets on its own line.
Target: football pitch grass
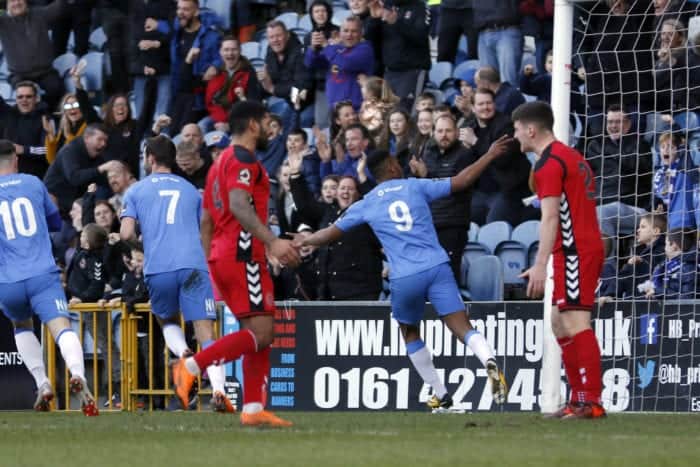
[349, 438]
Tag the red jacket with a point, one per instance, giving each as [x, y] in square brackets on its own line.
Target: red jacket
[241, 79]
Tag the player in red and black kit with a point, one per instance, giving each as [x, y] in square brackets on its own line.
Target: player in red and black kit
[236, 241]
[569, 231]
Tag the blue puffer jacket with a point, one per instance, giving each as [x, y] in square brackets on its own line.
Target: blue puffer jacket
[208, 41]
[678, 198]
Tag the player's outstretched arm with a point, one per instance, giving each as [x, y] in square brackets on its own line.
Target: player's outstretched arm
[127, 231]
[323, 237]
[549, 226]
[471, 173]
[282, 250]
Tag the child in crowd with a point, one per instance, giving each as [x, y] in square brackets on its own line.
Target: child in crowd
[86, 274]
[538, 84]
[674, 182]
[647, 255]
[676, 278]
[329, 189]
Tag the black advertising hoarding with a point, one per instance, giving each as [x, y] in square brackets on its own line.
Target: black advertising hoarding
[350, 356]
[17, 388]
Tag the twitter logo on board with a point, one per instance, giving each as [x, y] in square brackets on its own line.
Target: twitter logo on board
[645, 373]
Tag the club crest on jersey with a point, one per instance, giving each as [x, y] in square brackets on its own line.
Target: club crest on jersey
[244, 176]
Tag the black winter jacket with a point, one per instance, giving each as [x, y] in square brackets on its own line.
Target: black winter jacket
[87, 275]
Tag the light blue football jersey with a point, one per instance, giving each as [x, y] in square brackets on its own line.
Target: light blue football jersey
[399, 213]
[25, 245]
[168, 209]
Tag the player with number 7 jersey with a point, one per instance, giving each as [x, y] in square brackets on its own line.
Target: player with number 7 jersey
[168, 209]
[398, 211]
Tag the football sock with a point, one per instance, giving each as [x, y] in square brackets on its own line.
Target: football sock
[29, 349]
[588, 363]
[476, 342]
[568, 357]
[256, 368]
[226, 349]
[422, 361]
[217, 373]
[175, 339]
[72, 352]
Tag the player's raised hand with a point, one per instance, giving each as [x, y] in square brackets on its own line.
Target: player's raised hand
[500, 146]
[285, 252]
[536, 276]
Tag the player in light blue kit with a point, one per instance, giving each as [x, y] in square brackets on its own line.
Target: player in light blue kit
[168, 209]
[30, 280]
[398, 210]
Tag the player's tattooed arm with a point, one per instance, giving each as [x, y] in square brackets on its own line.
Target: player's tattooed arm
[241, 207]
[471, 173]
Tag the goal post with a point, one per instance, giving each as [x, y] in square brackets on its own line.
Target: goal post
[561, 90]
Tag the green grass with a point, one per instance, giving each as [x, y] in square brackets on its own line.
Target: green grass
[355, 439]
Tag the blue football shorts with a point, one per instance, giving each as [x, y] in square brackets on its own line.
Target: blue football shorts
[185, 290]
[42, 295]
[436, 285]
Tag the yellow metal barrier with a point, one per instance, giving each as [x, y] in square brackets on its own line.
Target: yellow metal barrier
[136, 390]
[97, 321]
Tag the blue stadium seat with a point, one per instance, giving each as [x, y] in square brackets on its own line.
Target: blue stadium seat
[485, 281]
[461, 50]
[526, 233]
[4, 72]
[177, 139]
[305, 23]
[5, 90]
[263, 47]
[311, 140]
[473, 231]
[694, 149]
[339, 16]
[439, 96]
[64, 62]
[94, 71]
[687, 121]
[513, 256]
[491, 234]
[289, 19]
[301, 34]
[250, 50]
[450, 94]
[98, 39]
[222, 8]
[462, 68]
[532, 253]
[257, 63]
[472, 251]
[439, 72]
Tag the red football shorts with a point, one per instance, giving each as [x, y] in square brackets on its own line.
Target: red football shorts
[246, 287]
[576, 280]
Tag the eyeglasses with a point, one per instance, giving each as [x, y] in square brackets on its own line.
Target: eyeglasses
[24, 96]
[68, 106]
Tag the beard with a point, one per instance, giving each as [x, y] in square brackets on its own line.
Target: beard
[261, 141]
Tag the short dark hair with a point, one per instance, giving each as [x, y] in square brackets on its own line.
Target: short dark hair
[618, 108]
[683, 240]
[28, 84]
[427, 96]
[483, 90]
[7, 149]
[230, 37]
[300, 132]
[657, 220]
[489, 74]
[96, 236]
[242, 113]
[94, 128]
[538, 113]
[376, 162]
[361, 127]
[275, 23]
[162, 149]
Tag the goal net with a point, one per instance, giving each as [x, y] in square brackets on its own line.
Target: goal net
[635, 98]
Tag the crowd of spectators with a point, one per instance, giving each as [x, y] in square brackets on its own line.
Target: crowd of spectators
[340, 86]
